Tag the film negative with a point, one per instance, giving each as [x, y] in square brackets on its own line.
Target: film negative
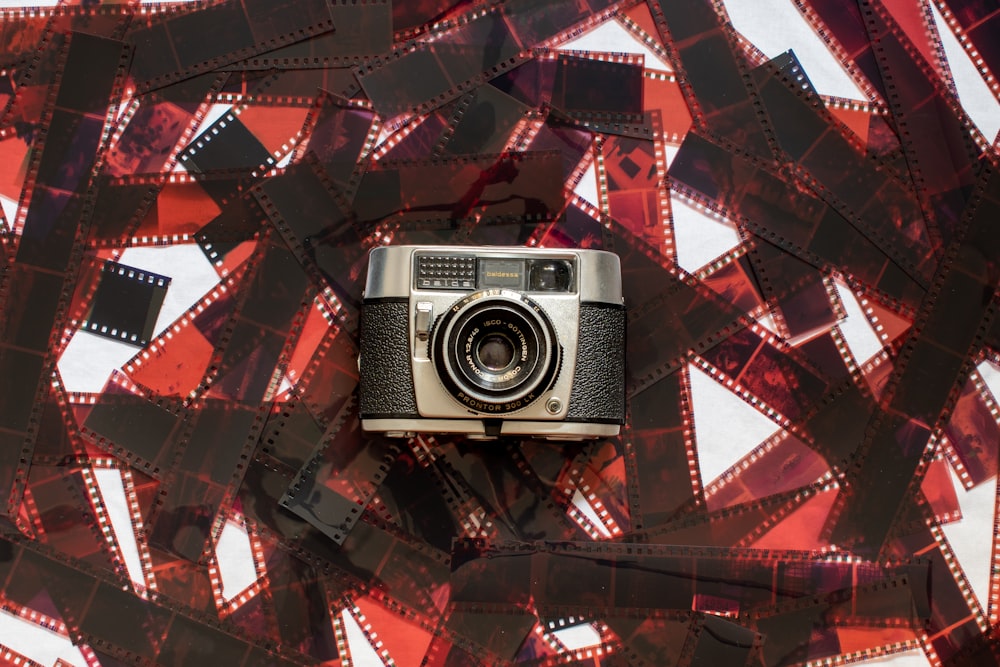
[359, 33]
[561, 473]
[34, 69]
[970, 433]
[633, 173]
[800, 301]
[418, 136]
[659, 443]
[53, 488]
[157, 126]
[974, 26]
[313, 222]
[288, 87]
[767, 371]
[483, 121]
[422, 75]
[731, 276]
[413, 76]
[956, 617]
[178, 361]
[598, 478]
[826, 241]
[429, 500]
[666, 578]
[95, 610]
[933, 366]
[196, 45]
[822, 154]
[586, 85]
[712, 76]
[780, 464]
[342, 135]
[340, 478]
[126, 303]
[917, 98]
[229, 420]
[51, 238]
[502, 481]
[390, 125]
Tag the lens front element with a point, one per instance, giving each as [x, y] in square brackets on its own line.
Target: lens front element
[495, 351]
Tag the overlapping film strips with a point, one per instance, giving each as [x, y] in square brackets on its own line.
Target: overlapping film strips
[805, 198]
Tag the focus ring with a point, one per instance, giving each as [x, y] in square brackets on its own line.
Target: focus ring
[457, 343]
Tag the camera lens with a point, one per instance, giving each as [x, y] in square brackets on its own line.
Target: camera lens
[495, 353]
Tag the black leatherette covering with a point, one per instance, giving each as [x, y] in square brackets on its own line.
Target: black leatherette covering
[386, 382]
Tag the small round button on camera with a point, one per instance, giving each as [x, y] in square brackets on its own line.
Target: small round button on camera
[553, 406]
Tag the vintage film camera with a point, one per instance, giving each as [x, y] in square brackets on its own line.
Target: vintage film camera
[493, 341]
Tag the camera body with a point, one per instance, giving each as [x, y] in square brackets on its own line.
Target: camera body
[491, 341]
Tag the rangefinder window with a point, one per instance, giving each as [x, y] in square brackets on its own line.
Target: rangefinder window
[550, 275]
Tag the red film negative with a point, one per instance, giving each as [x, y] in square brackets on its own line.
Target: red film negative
[359, 32]
[936, 352]
[970, 433]
[339, 480]
[660, 458]
[826, 239]
[425, 497]
[196, 46]
[51, 233]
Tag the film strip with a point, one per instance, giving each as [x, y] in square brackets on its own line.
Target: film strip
[827, 241]
[779, 464]
[779, 138]
[927, 406]
[909, 83]
[669, 578]
[126, 303]
[956, 616]
[660, 442]
[417, 76]
[766, 373]
[94, 608]
[341, 136]
[360, 32]
[598, 479]
[972, 26]
[632, 185]
[46, 249]
[484, 107]
[230, 416]
[503, 481]
[38, 67]
[197, 46]
[425, 497]
[340, 478]
[972, 422]
[782, 91]
[288, 87]
[555, 473]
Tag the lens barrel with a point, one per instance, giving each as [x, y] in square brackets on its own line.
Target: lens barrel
[495, 351]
